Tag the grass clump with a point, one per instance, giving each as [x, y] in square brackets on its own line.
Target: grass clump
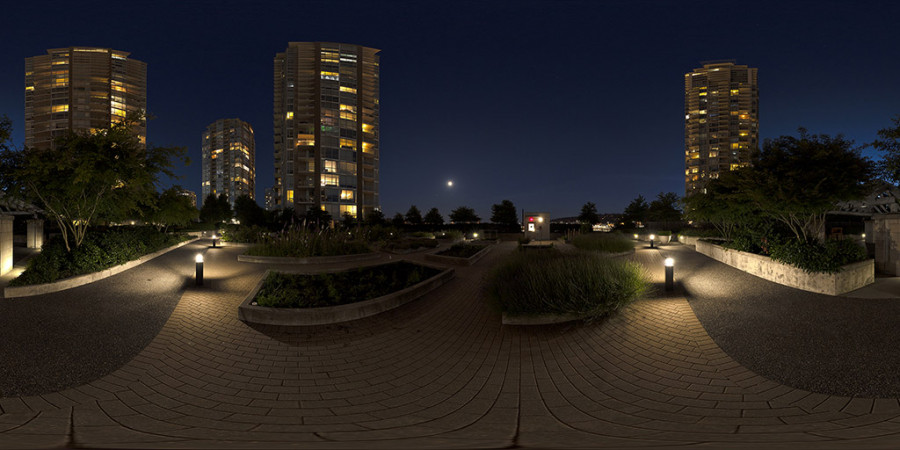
[302, 243]
[101, 249]
[603, 242]
[282, 290]
[551, 282]
[462, 250]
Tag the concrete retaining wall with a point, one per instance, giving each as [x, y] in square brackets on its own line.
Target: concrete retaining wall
[6, 244]
[456, 261]
[335, 314]
[80, 280]
[851, 277]
[309, 260]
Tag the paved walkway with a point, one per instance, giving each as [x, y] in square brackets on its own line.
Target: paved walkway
[440, 372]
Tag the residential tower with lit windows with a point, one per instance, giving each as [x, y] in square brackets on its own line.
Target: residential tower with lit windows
[327, 128]
[228, 159]
[721, 121]
[81, 89]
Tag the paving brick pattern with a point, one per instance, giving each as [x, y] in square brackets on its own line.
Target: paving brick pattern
[440, 372]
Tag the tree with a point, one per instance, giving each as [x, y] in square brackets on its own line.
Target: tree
[724, 205]
[434, 217]
[89, 176]
[664, 208]
[889, 143]
[347, 220]
[376, 217]
[505, 213]
[317, 217]
[796, 181]
[215, 209]
[636, 211]
[413, 216]
[589, 214]
[464, 214]
[171, 208]
[398, 220]
[248, 212]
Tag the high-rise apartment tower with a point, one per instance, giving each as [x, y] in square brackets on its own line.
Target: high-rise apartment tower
[326, 128]
[721, 121]
[79, 89]
[228, 154]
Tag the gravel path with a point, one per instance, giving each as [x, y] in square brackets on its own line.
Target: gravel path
[835, 345]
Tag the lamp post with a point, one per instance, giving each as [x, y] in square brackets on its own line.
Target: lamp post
[670, 274]
[652, 237]
[199, 276]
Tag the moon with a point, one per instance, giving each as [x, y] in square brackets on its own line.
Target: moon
[449, 183]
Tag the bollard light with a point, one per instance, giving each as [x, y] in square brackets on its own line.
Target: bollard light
[652, 237]
[475, 235]
[635, 236]
[670, 274]
[214, 237]
[199, 275]
[864, 235]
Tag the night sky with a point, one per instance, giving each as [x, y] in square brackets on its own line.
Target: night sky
[548, 104]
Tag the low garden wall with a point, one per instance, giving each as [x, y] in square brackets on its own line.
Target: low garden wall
[80, 280]
[309, 260]
[457, 261]
[851, 277]
[688, 240]
[335, 314]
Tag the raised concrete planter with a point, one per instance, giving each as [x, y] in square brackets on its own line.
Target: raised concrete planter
[851, 277]
[543, 319]
[688, 240]
[457, 261]
[80, 280]
[309, 260]
[335, 314]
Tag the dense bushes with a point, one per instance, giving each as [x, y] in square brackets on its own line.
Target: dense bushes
[101, 249]
[330, 289]
[550, 282]
[827, 257]
[603, 242]
[302, 243]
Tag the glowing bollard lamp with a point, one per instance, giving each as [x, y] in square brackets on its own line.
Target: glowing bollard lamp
[214, 238]
[652, 237]
[635, 236]
[199, 276]
[670, 274]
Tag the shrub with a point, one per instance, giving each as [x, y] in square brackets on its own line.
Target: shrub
[283, 290]
[551, 282]
[411, 244]
[253, 234]
[101, 249]
[300, 242]
[603, 242]
[827, 257]
[663, 233]
[700, 232]
[462, 250]
[422, 234]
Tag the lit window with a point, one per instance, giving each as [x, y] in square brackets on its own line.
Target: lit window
[368, 147]
[713, 154]
[735, 91]
[289, 115]
[348, 89]
[290, 196]
[348, 143]
[350, 108]
[330, 76]
[348, 209]
[744, 116]
[60, 108]
[29, 88]
[329, 180]
[306, 139]
[348, 115]
[329, 166]
[367, 128]
[735, 145]
[346, 194]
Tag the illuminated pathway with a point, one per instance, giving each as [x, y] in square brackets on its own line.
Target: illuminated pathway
[439, 372]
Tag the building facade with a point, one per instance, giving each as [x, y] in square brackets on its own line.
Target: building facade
[721, 121]
[326, 119]
[81, 89]
[228, 154]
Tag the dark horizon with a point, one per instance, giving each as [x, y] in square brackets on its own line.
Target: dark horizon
[548, 104]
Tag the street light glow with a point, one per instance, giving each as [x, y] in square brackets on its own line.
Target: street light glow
[199, 258]
[669, 262]
[449, 183]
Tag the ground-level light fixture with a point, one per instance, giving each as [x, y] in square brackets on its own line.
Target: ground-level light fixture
[652, 238]
[475, 235]
[670, 274]
[199, 275]
[214, 238]
[635, 236]
[864, 235]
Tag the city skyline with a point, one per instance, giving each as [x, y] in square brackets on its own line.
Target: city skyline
[228, 165]
[498, 96]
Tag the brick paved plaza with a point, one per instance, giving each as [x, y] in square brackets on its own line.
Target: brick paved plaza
[441, 372]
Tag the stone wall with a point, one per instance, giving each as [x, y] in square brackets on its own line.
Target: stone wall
[886, 236]
[851, 277]
[6, 244]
